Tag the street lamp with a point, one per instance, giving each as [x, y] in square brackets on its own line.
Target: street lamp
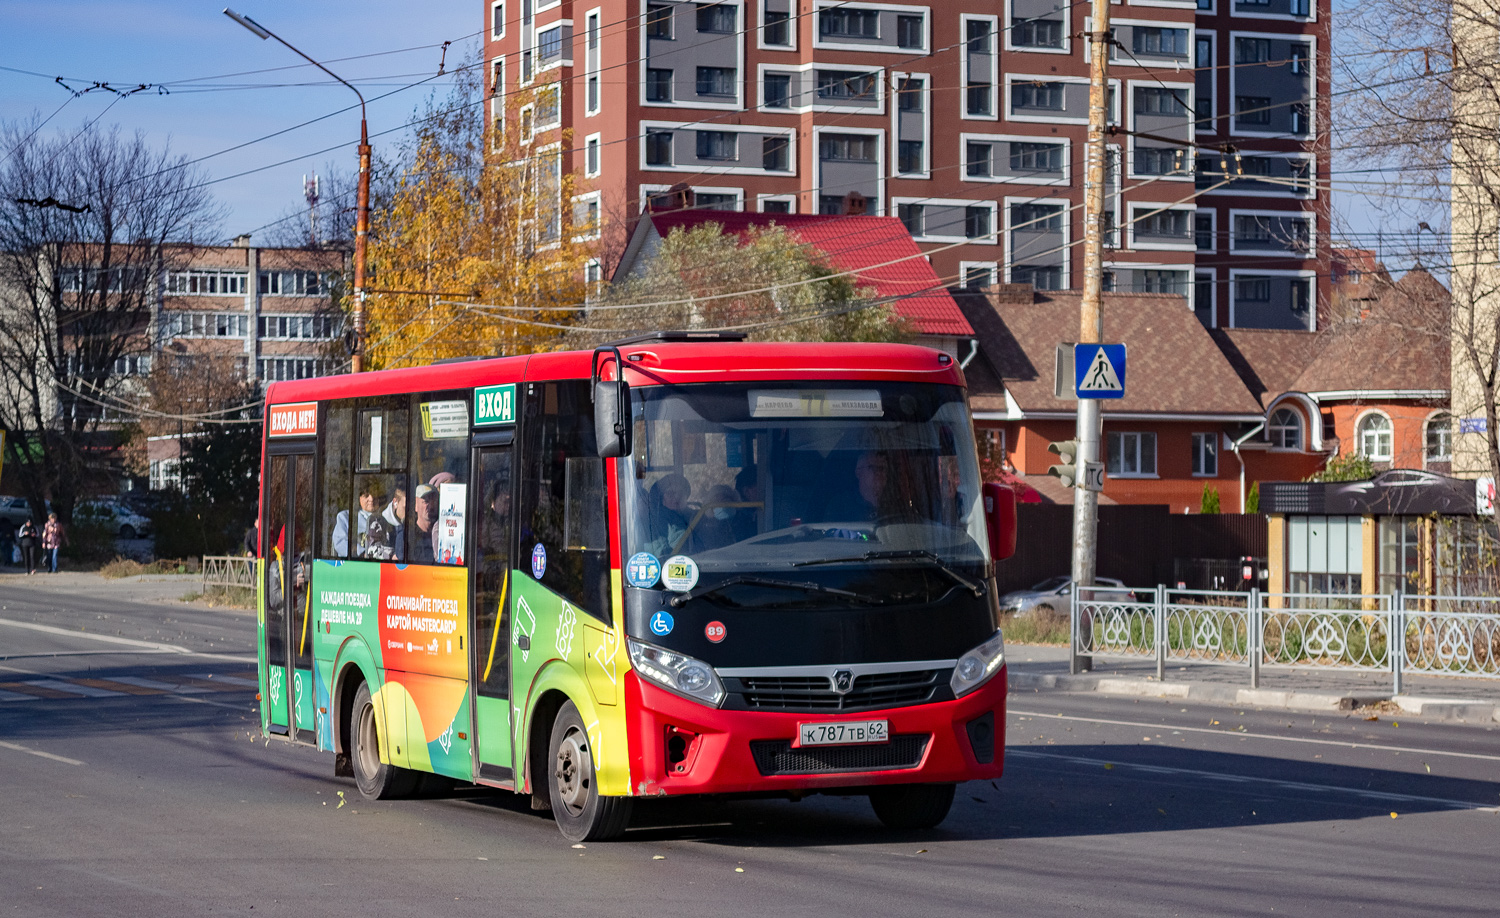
[362, 218]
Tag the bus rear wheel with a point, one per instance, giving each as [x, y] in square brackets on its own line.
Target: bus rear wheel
[375, 779]
[582, 814]
[912, 806]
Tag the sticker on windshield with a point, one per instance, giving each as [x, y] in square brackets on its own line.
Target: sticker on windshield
[715, 631]
[680, 573]
[643, 570]
[661, 623]
[539, 561]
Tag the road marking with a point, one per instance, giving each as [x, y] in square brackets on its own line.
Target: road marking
[148, 646]
[160, 686]
[15, 696]
[37, 752]
[1384, 796]
[218, 704]
[229, 680]
[1266, 736]
[88, 691]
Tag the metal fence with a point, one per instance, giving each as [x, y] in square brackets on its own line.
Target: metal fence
[228, 571]
[1436, 635]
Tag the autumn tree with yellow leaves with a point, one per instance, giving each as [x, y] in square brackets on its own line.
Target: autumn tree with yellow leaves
[474, 214]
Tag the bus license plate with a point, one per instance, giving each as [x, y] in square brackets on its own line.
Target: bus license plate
[843, 733]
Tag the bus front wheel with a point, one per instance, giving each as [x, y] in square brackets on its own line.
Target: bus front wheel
[582, 814]
[375, 779]
[912, 806]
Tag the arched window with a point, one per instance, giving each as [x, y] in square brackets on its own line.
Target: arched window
[1375, 437]
[1285, 429]
[1439, 438]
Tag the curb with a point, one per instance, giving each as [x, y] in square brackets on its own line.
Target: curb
[1462, 710]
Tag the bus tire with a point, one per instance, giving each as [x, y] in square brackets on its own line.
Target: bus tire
[582, 814]
[912, 806]
[375, 779]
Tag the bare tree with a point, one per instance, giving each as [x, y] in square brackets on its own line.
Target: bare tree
[90, 221]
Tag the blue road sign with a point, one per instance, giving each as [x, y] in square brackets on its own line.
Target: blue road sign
[1099, 370]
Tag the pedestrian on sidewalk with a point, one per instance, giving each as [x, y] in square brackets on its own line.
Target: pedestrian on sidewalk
[53, 537]
[26, 538]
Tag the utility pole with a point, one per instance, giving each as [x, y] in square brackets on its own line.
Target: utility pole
[362, 216]
[1091, 320]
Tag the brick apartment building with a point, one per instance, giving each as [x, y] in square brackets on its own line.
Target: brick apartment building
[966, 120]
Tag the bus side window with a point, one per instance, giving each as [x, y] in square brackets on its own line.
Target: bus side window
[439, 478]
[379, 464]
[562, 498]
[336, 459]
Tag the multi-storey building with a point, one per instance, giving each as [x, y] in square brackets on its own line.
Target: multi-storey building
[967, 120]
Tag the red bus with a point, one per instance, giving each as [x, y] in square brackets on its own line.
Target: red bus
[678, 564]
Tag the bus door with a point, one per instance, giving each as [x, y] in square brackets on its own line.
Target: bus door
[491, 537]
[288, 571]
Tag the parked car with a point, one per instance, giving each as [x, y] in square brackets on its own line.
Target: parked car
[126, 523]
[16, 510]
[1054, 595]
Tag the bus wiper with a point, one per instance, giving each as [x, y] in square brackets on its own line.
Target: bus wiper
[974, 586]
[806, 586]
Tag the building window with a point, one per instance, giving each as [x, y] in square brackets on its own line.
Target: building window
[1156, 280]
[1131, 455]
[1036, 218]
[658, 148]
[977, 159]
[548, 110]
[717, 201]
[912, 216]
[1042, 277]
[1038, 94]
[777, 28]
[198, 283]
[909, 32]
[1299, 7]
[299, 327]
[977, 36]
[1301, 58]
[586, 218]
[497, 20]
[549, 45]
[909, 156]
[716, 81]
[979, 276]
[591, 62]
[977, 98]
[280, 369]
[1439, 438]
[1374, 437]
[591, 156]
[775, 206]
[658, 21]
[658, 85]
[1252, 289]
[909, 94]
[1152, 100]
[1301, 114]
[1160, 161]
[1172, 223]
[291, 283]
[843, 84]
[1035, 157]
[849, 148]
[207, 325]
[1203, 232]
[1252, 50]
[1206, 454]
[717, 18]
[843, 22]
[719, 145]
[1252, 110]
[978, 221]
[1036, 33]
[778, 90]
[1160, 41]
[774, 154]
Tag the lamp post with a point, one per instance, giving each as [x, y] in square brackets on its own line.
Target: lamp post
[362, 214]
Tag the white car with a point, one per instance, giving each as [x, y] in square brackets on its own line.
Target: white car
[1054, 595]
[126, 523]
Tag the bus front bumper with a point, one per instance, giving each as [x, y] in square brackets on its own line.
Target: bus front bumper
[683, 747]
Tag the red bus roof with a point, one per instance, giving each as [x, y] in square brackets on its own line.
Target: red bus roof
[658, 363]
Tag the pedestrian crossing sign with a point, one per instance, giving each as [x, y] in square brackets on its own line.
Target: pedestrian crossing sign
[1099, 370]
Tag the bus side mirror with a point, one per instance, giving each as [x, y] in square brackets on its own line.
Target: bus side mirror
[611, 418]
[1000, 519]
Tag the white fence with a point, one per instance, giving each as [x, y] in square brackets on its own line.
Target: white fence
[1434, 635]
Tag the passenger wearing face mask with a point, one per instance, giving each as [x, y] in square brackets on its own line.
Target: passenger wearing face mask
[716, 528]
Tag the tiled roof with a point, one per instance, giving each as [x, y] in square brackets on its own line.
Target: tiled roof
[1402, 344]
[878, 249]
[1174, 366]
[1268, 360]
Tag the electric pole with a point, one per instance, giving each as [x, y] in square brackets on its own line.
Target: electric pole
[1091, 321]
[362, 215]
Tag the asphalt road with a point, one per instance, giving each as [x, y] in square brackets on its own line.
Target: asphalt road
[149, 795]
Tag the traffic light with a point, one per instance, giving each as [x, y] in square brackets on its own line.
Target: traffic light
[1067, 453]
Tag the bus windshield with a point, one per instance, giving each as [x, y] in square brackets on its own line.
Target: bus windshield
[768, 476]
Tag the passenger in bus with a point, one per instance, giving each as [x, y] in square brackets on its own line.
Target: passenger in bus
[425, 549]
[746, 520]
[387, 532]
[715, 529]
[667, 513]
[863, 501]
[369, 498]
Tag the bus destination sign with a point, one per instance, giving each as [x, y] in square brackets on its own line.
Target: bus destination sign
[495, 404]
[299, 420]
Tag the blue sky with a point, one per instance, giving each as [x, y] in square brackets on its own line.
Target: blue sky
[180, 42]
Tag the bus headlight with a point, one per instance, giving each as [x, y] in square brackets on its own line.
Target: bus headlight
[977, 666]
[676, 672]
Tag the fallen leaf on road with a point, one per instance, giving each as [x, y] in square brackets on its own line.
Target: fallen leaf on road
[1108, 766]
[739, 870]
[1372, 717]
[658, 857]
[342, 801]
[921, 850]
[580, 846]
[1428, 767]
[978, 799]
[1161, 811]
[1393, 815]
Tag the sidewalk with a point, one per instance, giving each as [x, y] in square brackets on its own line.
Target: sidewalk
[157, 588]
[1040, 668]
